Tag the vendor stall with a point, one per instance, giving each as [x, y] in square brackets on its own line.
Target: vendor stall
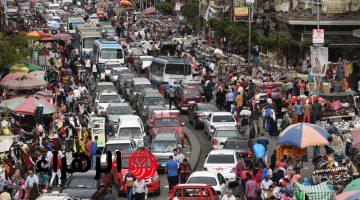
[290, 153]
[338, 177]
[321, 191]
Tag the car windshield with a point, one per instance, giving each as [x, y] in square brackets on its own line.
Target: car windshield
[153, 101]
[215, 158]
[134, 132]
[164, 146]
[109, 99]
[203, 180]
[125, 162]
[82, 182]
[137, 52]
[236, 144]
[223, 118]
[111, 54]
[124, 148]
[178, 69]
[139, 88]
[100, 88]
[89, 42]
[127, 71]
[226, 133]
[167, 122]
[207, 108]
[192, 94]
[119, 110]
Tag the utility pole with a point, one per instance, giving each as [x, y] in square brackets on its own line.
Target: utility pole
[249, 35]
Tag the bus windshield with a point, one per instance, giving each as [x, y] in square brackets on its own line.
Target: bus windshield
[178, 69]
[111, 54]
[88, 43]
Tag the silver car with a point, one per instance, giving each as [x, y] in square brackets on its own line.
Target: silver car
[115, 110]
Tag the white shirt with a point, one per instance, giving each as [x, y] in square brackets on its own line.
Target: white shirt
[140, 187]
[83, 89]
[87, 63]
[77, 93]
[94, 69]
[225, 197]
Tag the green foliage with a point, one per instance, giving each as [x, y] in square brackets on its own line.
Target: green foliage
[305, 44]
[165, 7]
[13, 49]
[190, 11]
[274, 42]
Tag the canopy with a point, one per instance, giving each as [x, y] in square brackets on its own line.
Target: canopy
[304, 135]
[350, 195]
[38, 74]
[23, 83]
[353, 185]
[149, 10]
[319, 191]
[44, 95]
[19, 68]
[356, 138]
[27, 106]
[32, 68]
[15, 75]
[38, 34]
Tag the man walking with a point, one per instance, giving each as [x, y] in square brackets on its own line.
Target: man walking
[171, 96]
[184, 170]
[93, 151]
[172, 172]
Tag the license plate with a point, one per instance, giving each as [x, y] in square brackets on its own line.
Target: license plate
[192, 102]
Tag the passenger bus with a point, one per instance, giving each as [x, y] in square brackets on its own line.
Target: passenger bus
[73, 22]
[108, 52]
[87, 39]
[174, 70]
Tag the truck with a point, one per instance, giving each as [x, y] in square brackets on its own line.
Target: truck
[87, 38]
[73, 22]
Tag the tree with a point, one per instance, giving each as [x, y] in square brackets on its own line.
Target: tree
[190, 10]
[165, 7]
[13, 49]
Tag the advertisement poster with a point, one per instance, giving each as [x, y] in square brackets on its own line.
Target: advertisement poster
[319, 60]
[241, 13]
[318, 36]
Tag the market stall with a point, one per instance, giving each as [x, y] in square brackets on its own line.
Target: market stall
[338, 176]
[320, 191]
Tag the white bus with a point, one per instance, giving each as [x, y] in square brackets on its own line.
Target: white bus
[108, 52]
[173, 70]
[87, 39]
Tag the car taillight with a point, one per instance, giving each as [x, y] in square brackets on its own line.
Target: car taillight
[214, 141]
[205, 169]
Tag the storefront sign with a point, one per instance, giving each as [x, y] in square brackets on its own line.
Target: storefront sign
[318, 36]
[319, 60]
[241, 13]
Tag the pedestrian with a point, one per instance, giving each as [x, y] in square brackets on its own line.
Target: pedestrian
[184, 171]
[5, 195]
[250, 188]
[172, 172]
[307, 111]
[172, 97]
[140, 190]
[94, 148]
[230, 97]
[128, 184]
[240, 166]
[57, 172]
[220, 98]
[94, 71]
[109, 195]
[265, 188]
[299, 110]
[316, 111]
[228, 195]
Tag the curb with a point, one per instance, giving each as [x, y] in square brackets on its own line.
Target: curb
[195, 152]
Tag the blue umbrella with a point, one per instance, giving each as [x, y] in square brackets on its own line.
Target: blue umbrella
[259, 150]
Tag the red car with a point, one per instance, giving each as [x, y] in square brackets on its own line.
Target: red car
[152, 183]
[193, 192]
[188, 95]
[166, 119]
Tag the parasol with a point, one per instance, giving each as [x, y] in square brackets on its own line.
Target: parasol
[304, 135]
[350, 195]
[15, 75]
[61, 36]
[126, 3]
[23, 83]
[356, 138]
[44, 95]
[353, 185]
[37, 34]
[38, 75]
[149, 10]
[27, 106]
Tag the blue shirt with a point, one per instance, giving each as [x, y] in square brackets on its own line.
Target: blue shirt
[30, 181]
[298, 109]
[172, 168]
[93, 147]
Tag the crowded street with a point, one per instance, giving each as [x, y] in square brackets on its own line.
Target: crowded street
[178, 100]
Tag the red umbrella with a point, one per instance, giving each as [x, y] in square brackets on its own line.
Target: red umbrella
[126, 3]
[356, 138]
[23, 83]
[15, 75]
[149, 10]
[27, 106]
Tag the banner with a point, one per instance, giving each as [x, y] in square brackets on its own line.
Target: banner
[319, 60]
[318, 36]
[241, 13]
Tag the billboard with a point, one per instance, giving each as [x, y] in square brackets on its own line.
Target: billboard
[241, 13]
[319, 60]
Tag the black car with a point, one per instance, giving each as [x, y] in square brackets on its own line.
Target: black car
[240, 144]
[199, 111]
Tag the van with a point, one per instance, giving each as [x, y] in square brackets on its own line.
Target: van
[138, 85]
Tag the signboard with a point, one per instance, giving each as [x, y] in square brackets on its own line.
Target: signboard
[177, 6]
[98, 129]
[319, 60]
[249, 2]
[318, 36]
[241, 13]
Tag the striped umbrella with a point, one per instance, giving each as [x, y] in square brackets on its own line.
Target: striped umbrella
[350, 195]
[27, 106]
[304, 135]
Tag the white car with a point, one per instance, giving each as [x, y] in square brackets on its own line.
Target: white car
[131, 126]
[104, 98]
[214, 179]
[215, 119]
[93, 19]
[221, 134]
[116, 71]
[222, 161]
[125, 146]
